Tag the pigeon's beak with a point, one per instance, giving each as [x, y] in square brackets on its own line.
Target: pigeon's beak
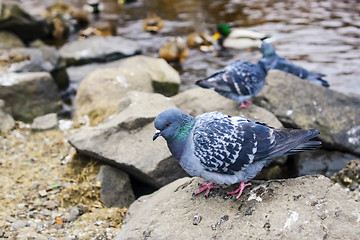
[156, 135]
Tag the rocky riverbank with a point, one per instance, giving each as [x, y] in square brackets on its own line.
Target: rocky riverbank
[75, 177]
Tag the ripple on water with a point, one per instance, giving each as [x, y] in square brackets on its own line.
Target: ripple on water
[321, 35]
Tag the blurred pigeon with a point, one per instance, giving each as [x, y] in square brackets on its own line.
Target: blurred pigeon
[274, 61]
[238, 81]
[227, 150]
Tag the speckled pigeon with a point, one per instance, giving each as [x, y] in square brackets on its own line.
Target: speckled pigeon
[238, 81]
[273, 61]
[227, 150]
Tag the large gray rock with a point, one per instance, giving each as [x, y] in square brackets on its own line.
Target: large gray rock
[116, 188]
[100, 93]
[308, 207]
[322, 162]
[125, 140]
[197, 101]
[6, 120]
[43, 59]
[98, 49]
[29, 95]
[302, 104]
[9, 40]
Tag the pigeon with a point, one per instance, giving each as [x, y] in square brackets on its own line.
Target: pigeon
[239, 81]
[227, 150]
[274, 61]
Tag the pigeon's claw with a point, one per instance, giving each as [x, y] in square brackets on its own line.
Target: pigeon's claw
[206, 187]
[245, 104]
[240, 189]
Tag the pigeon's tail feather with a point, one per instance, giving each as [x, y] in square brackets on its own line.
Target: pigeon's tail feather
[294, 141]
[308, 146]
[317, 78]
[214, 82]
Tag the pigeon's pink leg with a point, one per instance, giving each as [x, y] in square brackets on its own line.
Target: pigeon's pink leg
[206, 187]
[240, 189]
[244, 105]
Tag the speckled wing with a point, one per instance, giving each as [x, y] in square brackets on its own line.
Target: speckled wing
[246, 78]
[226, 144]
[236, 80]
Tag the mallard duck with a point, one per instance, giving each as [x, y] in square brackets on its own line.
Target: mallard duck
[238, 38]
[153, 23]
[200, 40]
[174, 50]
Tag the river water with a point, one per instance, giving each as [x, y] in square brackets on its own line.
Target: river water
[322, 36]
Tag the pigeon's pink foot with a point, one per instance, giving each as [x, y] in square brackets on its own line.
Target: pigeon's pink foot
[206, 187]
[245, 104]
[239, 189]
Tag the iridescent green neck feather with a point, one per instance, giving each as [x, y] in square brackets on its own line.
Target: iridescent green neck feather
[177, 142]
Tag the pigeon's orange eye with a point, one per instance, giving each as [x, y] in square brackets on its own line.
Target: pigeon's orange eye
[168, 124]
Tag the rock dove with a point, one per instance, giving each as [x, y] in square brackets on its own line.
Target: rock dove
[238, 81]
[227, 150]
[238, 38]
[274, 61]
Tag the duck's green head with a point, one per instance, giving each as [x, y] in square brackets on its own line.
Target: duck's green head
[222, 30]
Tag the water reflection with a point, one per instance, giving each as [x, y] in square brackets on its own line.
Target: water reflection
[322, 36]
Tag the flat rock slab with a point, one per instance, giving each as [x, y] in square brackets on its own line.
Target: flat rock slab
[125, 140]
[308, 207]
[302, 104]
[98, 49]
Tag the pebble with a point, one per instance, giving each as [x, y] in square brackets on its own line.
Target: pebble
[83, 208]
[197, 219]
[50, 204]
[45, 122]
[19, 224]
[72, 215]
[42, 193]
[45, 212]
